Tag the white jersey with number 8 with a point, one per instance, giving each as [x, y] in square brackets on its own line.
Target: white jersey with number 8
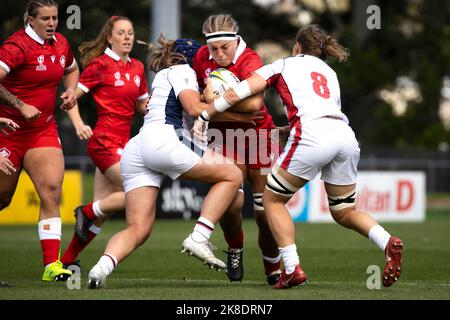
[308, 87]
[320, 139]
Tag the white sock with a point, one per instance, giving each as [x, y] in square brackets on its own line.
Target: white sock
[272, 260]
[107, 263]
[290, 258]
[96, 208]
[94, 229]
[202, 230]
[50, 229]
[379, 236]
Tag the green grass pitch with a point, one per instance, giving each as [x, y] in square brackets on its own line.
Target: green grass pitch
[335, 259]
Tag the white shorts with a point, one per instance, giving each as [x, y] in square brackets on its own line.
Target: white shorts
[326, 144]
[155, 152]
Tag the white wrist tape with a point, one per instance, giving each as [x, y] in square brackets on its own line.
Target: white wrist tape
[204, 116]
[242, 90]
[220, 104]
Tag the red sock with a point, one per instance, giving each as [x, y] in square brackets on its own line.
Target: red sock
[50, 250]
[75, 247]
[88, 210]
[235, 242]
[270, 267]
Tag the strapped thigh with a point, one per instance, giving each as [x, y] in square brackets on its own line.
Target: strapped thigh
[338, 203]
[277, 184]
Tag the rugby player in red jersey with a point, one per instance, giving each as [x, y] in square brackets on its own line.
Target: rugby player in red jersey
[33, 61]
[226, 49]
[118, 85]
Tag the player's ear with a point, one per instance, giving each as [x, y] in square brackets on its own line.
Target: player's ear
[30, 21]
[297, 49]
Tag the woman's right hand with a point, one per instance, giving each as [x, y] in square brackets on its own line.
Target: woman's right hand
[7, 124]
[29, 112]
[250, 117]
[283, 133]
[6, 166]
[84, 131]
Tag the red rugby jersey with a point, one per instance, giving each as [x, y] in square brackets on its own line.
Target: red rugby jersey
[115, 87]
[245, 62]
[35, 67]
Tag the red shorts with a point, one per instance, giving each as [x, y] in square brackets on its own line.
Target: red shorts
[105, 148]
[15, 145]
[252, 147]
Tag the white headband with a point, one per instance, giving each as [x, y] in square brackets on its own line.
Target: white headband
[221, 35]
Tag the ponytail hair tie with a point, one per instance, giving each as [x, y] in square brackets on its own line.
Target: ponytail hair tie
[112, 17]
[322, 45]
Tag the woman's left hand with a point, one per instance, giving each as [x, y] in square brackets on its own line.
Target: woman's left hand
[208, 93]
[199, 131]
[69, 100]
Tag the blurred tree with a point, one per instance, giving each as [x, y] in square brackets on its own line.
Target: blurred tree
[412, 42]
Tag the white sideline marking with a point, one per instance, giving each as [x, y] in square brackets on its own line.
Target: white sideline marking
[341, 283]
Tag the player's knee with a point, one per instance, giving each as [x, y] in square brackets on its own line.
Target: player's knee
[235, 176]
[51, 193]
[270, 202]
[143, 237]
[141, 233]
[238, 203]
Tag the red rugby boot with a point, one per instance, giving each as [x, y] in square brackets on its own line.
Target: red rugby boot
[294, 279]
[394, 255]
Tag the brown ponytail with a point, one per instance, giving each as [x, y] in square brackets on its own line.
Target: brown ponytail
[162, 56]
[316, 42]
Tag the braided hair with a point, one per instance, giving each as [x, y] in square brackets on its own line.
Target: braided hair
[316, 42]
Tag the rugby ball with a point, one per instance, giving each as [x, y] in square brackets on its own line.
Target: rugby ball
[221, 79]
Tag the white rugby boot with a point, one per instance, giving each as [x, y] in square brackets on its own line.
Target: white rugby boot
[202, 251]
[97, 278]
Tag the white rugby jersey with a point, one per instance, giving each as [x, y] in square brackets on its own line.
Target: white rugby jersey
[308, 88]
[163, 106]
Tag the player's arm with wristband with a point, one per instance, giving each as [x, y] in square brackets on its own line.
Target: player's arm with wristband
[253, 85]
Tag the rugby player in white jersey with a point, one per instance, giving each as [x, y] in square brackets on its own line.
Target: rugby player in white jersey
[320, 141]
[161, 149]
